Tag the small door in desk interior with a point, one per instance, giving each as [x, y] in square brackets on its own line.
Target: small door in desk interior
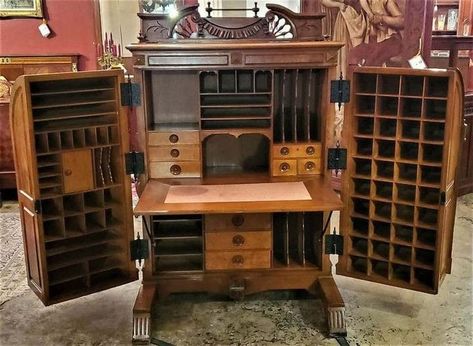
[78, 172]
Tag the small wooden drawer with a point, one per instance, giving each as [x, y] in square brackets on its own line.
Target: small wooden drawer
[185, 152]
[170, 138]
[308, 166]
[284, 167]
[296, 150]
[249, 259]
[238, 222]
[238, 240]
[177, 169]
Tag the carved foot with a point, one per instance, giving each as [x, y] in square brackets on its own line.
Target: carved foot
[334, 307]
[141, 328]
[142, 314]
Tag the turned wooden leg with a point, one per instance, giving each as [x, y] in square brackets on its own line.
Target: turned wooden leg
[334, 306]
[142, 314]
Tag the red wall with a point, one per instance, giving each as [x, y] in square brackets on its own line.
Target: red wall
[73, 31]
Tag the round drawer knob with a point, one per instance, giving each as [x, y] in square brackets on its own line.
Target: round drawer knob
[238, 220]
[284, 151]
[175, 153]
[309, 166]
[173, 138]
[310, 150]
[175, 169]
[284, 167]
[238, 240]
[238, 260]
[68, 172]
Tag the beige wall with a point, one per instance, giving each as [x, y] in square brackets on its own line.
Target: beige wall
[119, 17]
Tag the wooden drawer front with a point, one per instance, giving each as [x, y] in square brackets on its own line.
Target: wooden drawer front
[238, 222]
[284, 167]
[282, 151]
[221, 260]
[172, 138]
[186, 152]
[238, 240]
[308, 166]
[177, 169]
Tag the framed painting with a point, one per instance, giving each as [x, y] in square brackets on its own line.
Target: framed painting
[21, 8]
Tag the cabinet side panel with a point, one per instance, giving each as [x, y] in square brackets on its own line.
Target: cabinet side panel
[33, 260]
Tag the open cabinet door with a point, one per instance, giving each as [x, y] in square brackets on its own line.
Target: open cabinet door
[70, 138]
[403, 135]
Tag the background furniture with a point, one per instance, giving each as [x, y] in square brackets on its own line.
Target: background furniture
[11, 67]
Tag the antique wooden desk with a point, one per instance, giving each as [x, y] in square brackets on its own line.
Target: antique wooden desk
[236, 138]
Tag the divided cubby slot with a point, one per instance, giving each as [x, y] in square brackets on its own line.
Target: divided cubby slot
[384, 169]
[386, 149]
[363, 167]
[428, 216]
[382, 230]
[297, 105]
[365, 104]
[53, 229]
[263, 81]
[94, 200]
[364, 125]
[403, 233]
[426, 237]
[297, 238]
[412, 85]
[406, 193]
[72, 85]
[429, 195]
[361, 206]
[430, 175]
[380, 249]
[435, 109]
[245, 81]
[383, 189]
[411, 107]
[409, 151]
[410, 129]
[359, 264]
[432, 153]
[380, 268]
[402, 253]
[182, 226]
[388, 84]
[96, 221]
[362, 187]
[227, 81]
[208, 82]
[424, 277]
[425, 257]
[387, 105]
[364, 146]
[51, 208]
[366, 83]
[407, 172]
[359, 245]
[74, 225]
[360, 225]
[437, 87]
[382, 209]
[73, 204]
[387, 127]
[401, 272]
[404, 213]
[433, 131]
